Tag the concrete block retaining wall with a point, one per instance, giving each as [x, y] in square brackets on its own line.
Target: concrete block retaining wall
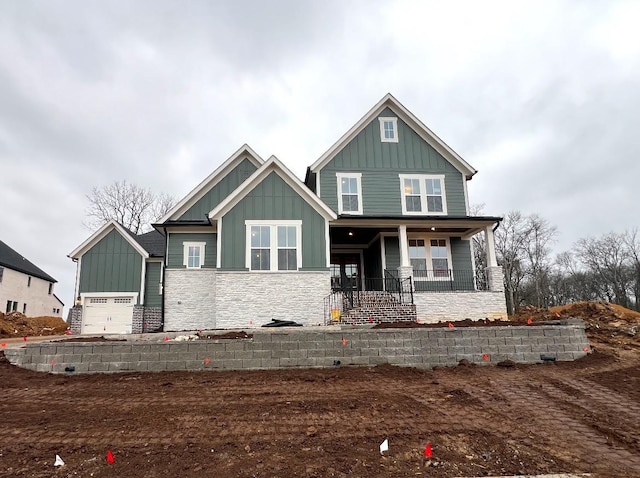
[422, 348]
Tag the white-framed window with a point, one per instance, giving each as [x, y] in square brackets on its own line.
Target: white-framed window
[193, 254]
[423, 194]
[274, 245]
[388, 130]
[430, 258]
[349, 193]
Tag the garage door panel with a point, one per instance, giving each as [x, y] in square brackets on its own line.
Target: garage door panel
[108, 315]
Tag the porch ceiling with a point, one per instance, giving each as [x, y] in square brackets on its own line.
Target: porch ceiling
[352, 230]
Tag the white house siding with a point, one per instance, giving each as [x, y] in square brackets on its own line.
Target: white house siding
[15, 287]
[190, 299]
[251, 299]
[435, 307]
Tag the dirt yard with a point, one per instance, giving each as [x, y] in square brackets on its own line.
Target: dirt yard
[569, 417]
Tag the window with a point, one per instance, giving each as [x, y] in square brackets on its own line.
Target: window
[193, 254]
[50, 288]
[274, 246]
[14, 308]
[430, 258]
[29, 282]
[388, 130]
[349, 193]
[24, 309]
[423, 194]
[1, 273]
[8, 309]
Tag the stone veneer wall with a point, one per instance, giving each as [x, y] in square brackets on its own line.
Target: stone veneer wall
[250, 299]
[75, 319]
[441, 306]
[189, 299]
[423, 348]
[152, 319]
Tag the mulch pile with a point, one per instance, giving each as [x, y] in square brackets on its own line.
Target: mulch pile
[16, 324]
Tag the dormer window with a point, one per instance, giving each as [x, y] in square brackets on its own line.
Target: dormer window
[389, 130]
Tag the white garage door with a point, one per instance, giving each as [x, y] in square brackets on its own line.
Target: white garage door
[107, 315]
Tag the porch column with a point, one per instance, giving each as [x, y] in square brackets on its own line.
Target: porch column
[406, 269]
[495, 277]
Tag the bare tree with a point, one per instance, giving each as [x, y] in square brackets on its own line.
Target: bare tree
[130, 205]
[538, 253]
[631, 240]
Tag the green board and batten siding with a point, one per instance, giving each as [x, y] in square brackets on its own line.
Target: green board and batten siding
[220, 191]
[112, 265]
[381, 163]
[175, 248]
[152, 296]
[273, 199]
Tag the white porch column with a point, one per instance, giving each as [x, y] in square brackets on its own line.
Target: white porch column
[495, 278]
[405, 270]
[404, 246]
[490, 244]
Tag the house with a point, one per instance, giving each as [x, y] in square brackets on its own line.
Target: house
[26, 288]
[379, 230]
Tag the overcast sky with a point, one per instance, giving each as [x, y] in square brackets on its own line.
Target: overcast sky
[542, 98]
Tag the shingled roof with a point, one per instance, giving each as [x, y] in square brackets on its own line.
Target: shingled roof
[153, 243]
[13, 260]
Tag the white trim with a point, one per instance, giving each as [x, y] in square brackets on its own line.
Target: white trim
[273, 164]
[219, 245]
[466, 194]
[423, 194]
[427, 244]
[490, 245]
[404, 246]
[210, 181]
[358, 177]
[318, 184]
[77, 289]
[327, 240]
[185, 253]
[143, 276]
[101, 233]
[388, 101]
[273, 242]
[394, 121]
[208, 229]
[161, 284]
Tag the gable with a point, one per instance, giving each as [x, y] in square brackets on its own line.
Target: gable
[219, 191]
[367, 152]
[112, 264]
[237, 165]
[273, 199]
[389, 103]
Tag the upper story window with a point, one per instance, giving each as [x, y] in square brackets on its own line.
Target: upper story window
[193, 254]
[50, 288]
[274, 245]
[388, 130]
[29, 282]
[1, 273]
[423, 194]
[349, 193]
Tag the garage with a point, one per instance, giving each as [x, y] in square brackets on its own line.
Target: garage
[108, 315]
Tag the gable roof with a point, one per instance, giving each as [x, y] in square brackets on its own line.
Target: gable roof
[102, 232]
[152, 242]
[388, 101]
[210, 181]
[12, 259]
[273, 164]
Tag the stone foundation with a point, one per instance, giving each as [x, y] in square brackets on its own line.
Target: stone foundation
[75, 319]
[445, 306]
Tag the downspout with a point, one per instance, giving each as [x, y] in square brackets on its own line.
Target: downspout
[164, 274]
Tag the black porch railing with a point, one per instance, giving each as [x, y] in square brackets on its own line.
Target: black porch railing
[369, 291]
[446, 280]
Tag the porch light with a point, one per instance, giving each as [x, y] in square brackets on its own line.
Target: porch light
[351, 233]
[433, 228]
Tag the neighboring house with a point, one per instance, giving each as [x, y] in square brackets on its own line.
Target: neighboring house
[379, 230]
[26, 288]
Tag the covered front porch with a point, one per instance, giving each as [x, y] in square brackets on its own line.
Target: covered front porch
[405, 261]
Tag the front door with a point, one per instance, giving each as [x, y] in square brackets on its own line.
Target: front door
[345, 271]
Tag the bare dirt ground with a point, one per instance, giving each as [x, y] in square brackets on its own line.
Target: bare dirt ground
[15, 324]
[569, 417]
